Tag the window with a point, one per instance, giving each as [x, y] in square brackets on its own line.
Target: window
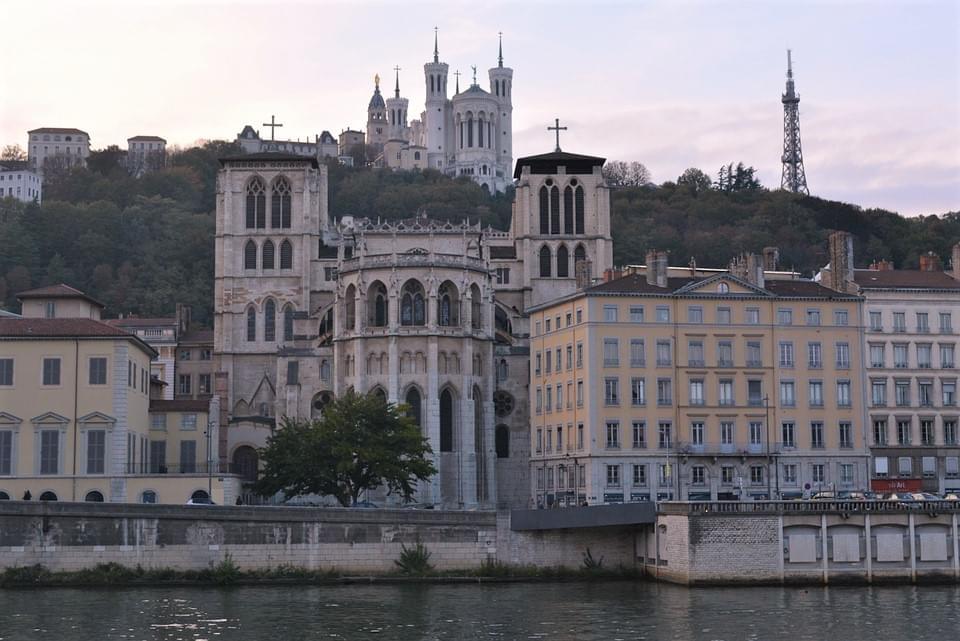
[188, 422]
[756, 475]
[636, 314]
[946, 357]
[503, 275]
[639, 475]
[569, 357]
[818, 473]
[695, 353]
[948, 390]
[790, 473]
[843, 393]
[549, 362]
[726, 432]
[204, 384]
[929, 466]
[787, 394]
[696, 432]
[539, 404]
[843, 355]
[559, 397]
[899, 322]
[724, 354]
[816, 393]
[638, 393]
[188, 457]
[951, 465]
[755, 393]
[158, 421]
[51, 371]
[49, 452]
[902, 390]
[754, 354]
[639, 431]
[724, 316]
[878, 393]
[725, 388]
[923, 323]
[184, 384]
[664, 358]
[251, 325]
[548, 405]
[927, 434]
[813, 317]
[6, 452]
[696, 392]
[546, 260]
[904, 429]
[879, 432]
[752, 316]
[286, 255]
[613, 435]
[841, 317]
[96, 451]
[611, 391]
[880, 466]
[786, 354]
[924, 356]
[814, 356]
[611, 352]
[579, 316]
[788, 434]
[613, 476]
[98, 371]
[280, 204]
[900, 360]
[664, 392]
[695, 315]
[698, 475]
[663, 314]
[580, 436]
[579, 354]
[785, 316]
[538, 361]
[184, 354]
[579, 393]
[288, 323]
[610, 313]
[876, 321]
[904, 466]
[946, 323]
[846, 435]
[756, 433]
[926, 393]
[206, 354]
[6, 371]
[664, 477]
[877, 355]
[664, 436]
[50, 308]
[268, 255]
[637, 356]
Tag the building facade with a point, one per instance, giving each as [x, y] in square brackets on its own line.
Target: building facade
[57, 148]
[19, 180]
[323, 145]
[146, 154]
[665, 385]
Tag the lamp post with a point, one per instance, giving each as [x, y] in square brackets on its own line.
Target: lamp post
[766, 409]
[209, 436]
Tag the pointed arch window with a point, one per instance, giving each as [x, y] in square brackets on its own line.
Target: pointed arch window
[448, 305]
[288, 323]
[554, 210]
[270, 321]
[256, 205]
[446, 421]
[563, 262]
[470, 131]
[280, 204]
[544, 211]
[545, 259]
[268, 255]
[413, 404]
[250, 255]
[377, 305]
[350, 308]
[251, 325]
[568, 210]
[502, 439]
[578, 197]
[286, 255]
[480, 125]
[412, 310]
[476, 320]
[579, 255]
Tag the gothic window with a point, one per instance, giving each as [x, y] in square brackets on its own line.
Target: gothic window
[412, 309]
[477, 365]
[288, 323]
[480, 131]
[448, 305]
[286, 255]
[579, 255]
[377, 305]
[544, 211]
[251, 325]
[502, 403]
[469, 131]
[280, 204]
[503, 441]
[379, 394]
[350, 308]
[413, 404]
[325, 370]
[250, 255]
[270, 321]
[446, 421]
[268, 255]
[563, 262]
[555, 210]
[476, 321]
[503, 371]
[578, 197]
[489, 135]
[545, 259]
[568, 211]
[256, 205]
[460, 125]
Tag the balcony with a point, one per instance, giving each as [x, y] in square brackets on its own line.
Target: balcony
[754, 363]
[611, 362]
[695, 362]
[724, 363]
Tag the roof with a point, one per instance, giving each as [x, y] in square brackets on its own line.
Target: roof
[503, 253]
[637, 284]
[179, 405]
[60, 290]
[198, 336]
[56, 328]
[14, 165]
[327, 138]
[548, 163]
[141, 322]
[147, 139]
[474, 89]
[57, 130]
[269, 155]
[904, 279]
[804, 289]
[6, 314]
[376, 100]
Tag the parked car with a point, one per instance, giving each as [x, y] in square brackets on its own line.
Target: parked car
[852, 495]
[925, 496]
[906, 499]
[824, 495]
[365, 504]
[951, 496]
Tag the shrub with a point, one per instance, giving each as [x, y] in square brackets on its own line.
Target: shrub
[591, 564]
[226, 571]
[415, 560]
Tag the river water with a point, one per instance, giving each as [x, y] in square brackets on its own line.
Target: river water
[542, 611]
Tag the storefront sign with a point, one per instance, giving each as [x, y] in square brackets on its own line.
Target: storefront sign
[896, 485]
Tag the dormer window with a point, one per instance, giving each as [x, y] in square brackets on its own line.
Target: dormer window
[723, 288]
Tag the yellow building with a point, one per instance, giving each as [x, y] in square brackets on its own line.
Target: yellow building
[696, 385]
[74, 403]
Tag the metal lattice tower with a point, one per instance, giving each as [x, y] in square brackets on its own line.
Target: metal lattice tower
[794, 178]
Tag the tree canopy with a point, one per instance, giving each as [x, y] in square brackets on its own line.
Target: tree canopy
[360, 443]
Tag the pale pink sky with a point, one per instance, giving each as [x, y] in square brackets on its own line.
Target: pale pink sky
[671, 84]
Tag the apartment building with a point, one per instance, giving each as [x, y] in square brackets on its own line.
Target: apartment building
[18, 180]
[696, 384]
[57, 148]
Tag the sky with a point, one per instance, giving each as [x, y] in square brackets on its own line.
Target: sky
[671, 84]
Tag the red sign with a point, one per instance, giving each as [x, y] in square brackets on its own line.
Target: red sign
[895, 485]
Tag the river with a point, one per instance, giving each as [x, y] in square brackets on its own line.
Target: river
[543, 611]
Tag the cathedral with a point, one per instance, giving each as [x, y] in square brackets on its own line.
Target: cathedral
[427, 313]
[469, 134]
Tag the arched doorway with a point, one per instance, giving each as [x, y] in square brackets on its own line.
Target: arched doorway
[246, 463]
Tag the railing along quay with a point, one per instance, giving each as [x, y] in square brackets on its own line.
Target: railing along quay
[806, 507]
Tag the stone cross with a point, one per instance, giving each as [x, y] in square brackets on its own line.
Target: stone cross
[273, 127]
[557, 128]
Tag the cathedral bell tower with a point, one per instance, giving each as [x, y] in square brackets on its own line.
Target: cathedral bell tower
[377, 133]
[397, 112]
[501, 87]
[436, 109]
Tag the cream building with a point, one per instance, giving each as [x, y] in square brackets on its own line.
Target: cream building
[19, 180]
[145, 154]
[696, 385]
[57, 147]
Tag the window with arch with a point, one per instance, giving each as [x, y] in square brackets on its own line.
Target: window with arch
[412, 307]
[380, 394]
[350, 308]
[288, 323]
[324, 370]
[148, 496]
[723, 288]
[251, 325]
[250, 255]
[568, 210]
[448, 305]
[286, 255]
[377, 304]
[503, 370]
[545, 259]
[48, 496]
[502, 441]
[554, 210]
[476, 313]
[480, 131]
[256, 204]
[470, 131]
[4, 496]
[578, 208]
[94, 496]
[412, 400]
[446, 421]
[563, 262]
[479, 444]
[544, 211]
[579, 255]
[270, 320]
[268, 252]
[280, 204]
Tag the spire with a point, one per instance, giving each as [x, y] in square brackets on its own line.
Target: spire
[457, 74]
[436, 50]
[500, 57]
[790, 87]
[794, 177]
[396, 90]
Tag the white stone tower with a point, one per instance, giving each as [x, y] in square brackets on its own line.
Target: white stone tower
[501, 86]
[436, 108]
[397, 112]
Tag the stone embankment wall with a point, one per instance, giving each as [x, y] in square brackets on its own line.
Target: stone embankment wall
[73, 536]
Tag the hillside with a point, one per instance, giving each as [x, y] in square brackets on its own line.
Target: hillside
[142, 245]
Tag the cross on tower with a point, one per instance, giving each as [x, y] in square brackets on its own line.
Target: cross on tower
[557, 128]
[273, 126]
[396, 90]
[474, 67]
[457, 74]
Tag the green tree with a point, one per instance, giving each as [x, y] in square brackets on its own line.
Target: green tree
[695, 180]
[360, 443]
[106, 161]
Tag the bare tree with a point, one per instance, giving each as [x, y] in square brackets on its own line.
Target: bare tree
[13, 152]
[619, 173]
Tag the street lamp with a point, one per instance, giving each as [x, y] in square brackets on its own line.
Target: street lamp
[575, 488]
[766, 409]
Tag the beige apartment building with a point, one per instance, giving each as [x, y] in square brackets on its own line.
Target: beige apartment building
[696, 384]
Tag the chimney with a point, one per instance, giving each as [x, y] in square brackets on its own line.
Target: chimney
[929, 262]
[748, 267]
[955, 262]
[771, 256]
[841, 262]
[612, 273]
[882, 265]
[582, 271]
[657, 268]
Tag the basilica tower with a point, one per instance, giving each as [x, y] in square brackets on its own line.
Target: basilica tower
[436, 109]
[397, 112]
[376, 119]
[501, 86]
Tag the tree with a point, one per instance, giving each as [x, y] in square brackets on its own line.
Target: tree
[360, 443]
[623, 174]
[13, 152]
[738, 178]
[106, 161]
[695, 180]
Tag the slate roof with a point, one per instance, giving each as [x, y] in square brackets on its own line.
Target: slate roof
[141, 322]
[147, 139]
[57, 130]
[57, 291]
[548, 163]
[637, 284]
[197, 336]
[904, 279]
[14, 165]
[179, 405]
[65, 328]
